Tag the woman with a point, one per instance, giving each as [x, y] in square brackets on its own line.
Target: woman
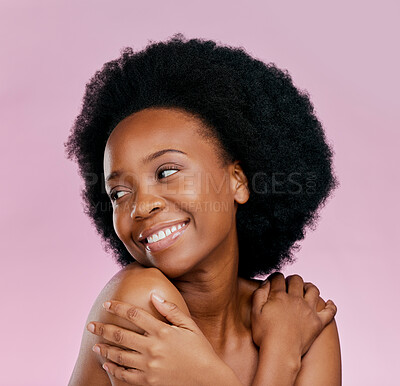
[194, 154]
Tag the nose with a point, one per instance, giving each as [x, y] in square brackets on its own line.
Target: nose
[145, 205]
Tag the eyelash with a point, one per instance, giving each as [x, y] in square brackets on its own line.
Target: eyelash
[162, 169]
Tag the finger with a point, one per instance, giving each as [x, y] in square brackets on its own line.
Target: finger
[260, 296]
[130, 376]
[294, 285]
[277, 282]
[311, 295]
[119, 335]
[125, 358]
[135, 315]
[172, 313]
[328, 313]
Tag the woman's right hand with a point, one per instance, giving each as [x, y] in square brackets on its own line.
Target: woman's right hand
[284, 312]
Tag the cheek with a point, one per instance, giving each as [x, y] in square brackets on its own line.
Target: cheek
[214, 212]
[121, 222]
[219, 219]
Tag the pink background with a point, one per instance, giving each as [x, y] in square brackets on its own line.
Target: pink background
[52, 264]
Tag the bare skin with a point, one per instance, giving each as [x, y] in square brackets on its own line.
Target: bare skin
[199, 272]
[133, 285]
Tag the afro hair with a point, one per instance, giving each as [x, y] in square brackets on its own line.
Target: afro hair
[254, 111]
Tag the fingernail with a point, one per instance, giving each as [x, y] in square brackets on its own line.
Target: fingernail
[105, 367]
[107, 305]
[158, 298]
[96, 349]
[91, 327]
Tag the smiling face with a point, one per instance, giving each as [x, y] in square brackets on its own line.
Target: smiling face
[161, 173]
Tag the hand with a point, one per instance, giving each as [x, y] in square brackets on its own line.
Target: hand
[177, 354]
[288, 317]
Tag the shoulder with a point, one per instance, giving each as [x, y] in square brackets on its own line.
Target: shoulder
[132, 284]
[321, 365]
[322, 362]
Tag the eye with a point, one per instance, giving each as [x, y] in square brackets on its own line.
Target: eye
[114, 195]
[167, 169]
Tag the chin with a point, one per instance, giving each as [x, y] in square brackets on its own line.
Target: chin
[175, 267]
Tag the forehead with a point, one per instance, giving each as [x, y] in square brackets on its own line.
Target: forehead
[154, 129]
[154, 121]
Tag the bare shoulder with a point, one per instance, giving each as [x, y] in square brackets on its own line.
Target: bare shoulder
[132, 284]
[321, 365]
[322, 362]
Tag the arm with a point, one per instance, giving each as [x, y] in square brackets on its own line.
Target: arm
[321, 365]
[132, 285]
[296, 333]
[277, 366]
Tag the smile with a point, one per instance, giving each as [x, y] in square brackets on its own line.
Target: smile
[165, 237]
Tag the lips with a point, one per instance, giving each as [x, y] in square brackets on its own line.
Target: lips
[156, 228]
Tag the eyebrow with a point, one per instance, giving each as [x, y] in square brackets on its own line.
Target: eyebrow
[145, 160]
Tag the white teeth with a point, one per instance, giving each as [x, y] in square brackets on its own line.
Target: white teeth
[164, 233]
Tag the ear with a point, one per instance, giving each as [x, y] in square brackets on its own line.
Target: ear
[239, 183]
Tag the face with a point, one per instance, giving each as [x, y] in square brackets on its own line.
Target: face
[165, 179]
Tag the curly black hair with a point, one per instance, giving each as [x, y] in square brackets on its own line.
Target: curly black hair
[254, 111]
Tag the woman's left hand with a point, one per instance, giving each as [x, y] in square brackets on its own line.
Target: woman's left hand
[177, 354]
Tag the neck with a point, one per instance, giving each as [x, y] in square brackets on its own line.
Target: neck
[214, 296]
